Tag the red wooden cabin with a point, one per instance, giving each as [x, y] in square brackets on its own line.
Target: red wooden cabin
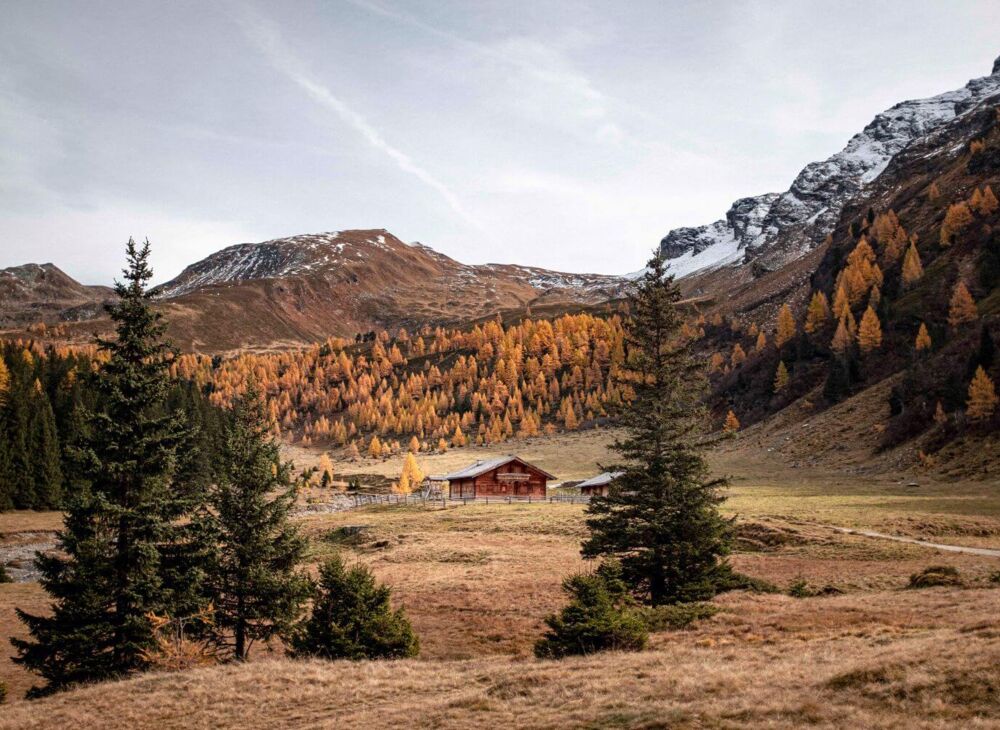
[507, 476]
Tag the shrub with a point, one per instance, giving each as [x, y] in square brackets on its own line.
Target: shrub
[600, 616]
[995, 577]
[727, 579]
[352, 618]
[935, 575]
[800, 589]
[3, 692]
[4, 575]
[678, 616]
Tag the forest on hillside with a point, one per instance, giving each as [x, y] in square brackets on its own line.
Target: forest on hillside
[885, 301]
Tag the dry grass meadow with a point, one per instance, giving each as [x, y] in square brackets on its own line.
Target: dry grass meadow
[477, 581]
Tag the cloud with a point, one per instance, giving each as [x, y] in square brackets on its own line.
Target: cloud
[88, 243]
[266, 37]
[534, 59]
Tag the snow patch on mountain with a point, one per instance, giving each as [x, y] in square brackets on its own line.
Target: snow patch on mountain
[800, 218]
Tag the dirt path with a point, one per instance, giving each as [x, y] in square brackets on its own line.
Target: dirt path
[988, 552]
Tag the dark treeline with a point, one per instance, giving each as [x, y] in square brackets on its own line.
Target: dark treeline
[47, 403]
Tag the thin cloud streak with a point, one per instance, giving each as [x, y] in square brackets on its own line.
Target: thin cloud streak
[262, 33]
[527, 55]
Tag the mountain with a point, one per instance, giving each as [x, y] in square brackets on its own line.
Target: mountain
[933, 201]
[765, 232]
[308, 287]
[43, 293]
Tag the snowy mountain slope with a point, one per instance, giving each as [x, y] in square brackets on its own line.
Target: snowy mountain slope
[777, 228]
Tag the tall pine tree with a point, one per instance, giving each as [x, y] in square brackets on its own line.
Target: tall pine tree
[660, 518]
[123, 520]
[252, 575]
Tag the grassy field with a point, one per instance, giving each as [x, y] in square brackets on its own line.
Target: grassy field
[477, 581]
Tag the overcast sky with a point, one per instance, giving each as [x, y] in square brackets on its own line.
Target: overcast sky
[570, 135]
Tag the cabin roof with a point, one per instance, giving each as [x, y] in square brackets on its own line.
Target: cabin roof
[481, 467]
[601, 479]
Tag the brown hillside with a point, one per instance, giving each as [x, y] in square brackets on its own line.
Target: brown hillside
[42, 292]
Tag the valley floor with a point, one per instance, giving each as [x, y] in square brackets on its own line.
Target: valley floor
[477, 581]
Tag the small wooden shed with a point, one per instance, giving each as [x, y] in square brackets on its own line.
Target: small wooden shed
[599, 484]
[506, 476]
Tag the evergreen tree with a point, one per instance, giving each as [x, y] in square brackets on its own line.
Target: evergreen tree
[600, 616]
[111, 575]
[660, 518]
[43, 445]
[251, 572]
[352, 618]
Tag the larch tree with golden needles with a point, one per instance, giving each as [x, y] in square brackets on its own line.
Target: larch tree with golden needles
[923, 341]
[842, 338]
[732, 424]
[841, 303]
[738, 356]
[818, 313]
[325, 470]
[955, 220]
[989, 204]
[962, 307]
[940, 417]
[982, 400]
[786, 326]
[781, 377]
[870, 332]
[913, 269]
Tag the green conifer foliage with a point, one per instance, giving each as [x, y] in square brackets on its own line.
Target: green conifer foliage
[252, 575]
[352, 618]
[661, 516]
[600, 616]
[123, 522]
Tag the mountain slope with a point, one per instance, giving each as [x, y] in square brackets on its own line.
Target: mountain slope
[42, 292]
[768, 231]
[308, 287]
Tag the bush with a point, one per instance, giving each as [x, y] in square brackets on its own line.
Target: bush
[4, 575]
[995, 577]
[728, 579]
[352, 618]
[678, 616]
[3, 692]
[600, 616]
[801, 589]
[935, 575]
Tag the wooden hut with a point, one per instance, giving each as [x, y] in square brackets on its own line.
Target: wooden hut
[599, 484]
[506, 476]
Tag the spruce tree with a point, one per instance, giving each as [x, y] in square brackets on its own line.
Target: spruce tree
[352, 618]
[252, 575]
[600, 616]
[660, 518]
[43, 443]
[111, 573]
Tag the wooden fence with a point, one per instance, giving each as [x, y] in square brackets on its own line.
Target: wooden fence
[365, 499]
